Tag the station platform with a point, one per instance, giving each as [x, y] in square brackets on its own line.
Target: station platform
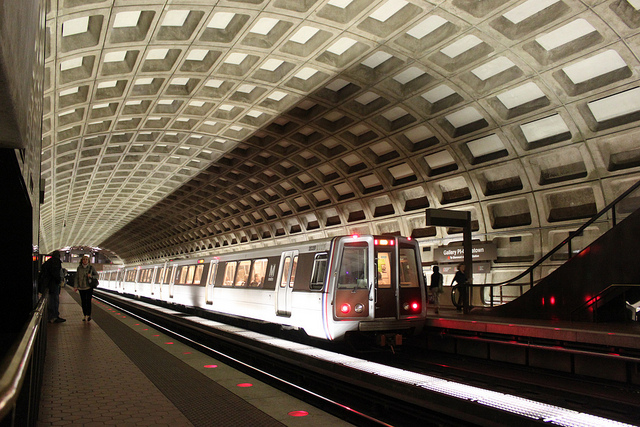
[603, 351]
[115, 370]
[613, 335]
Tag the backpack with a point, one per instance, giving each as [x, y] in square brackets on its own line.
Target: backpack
[43, 281]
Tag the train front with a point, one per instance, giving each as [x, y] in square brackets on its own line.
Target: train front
[375, 286]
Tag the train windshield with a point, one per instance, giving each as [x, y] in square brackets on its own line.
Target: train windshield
[353, 269]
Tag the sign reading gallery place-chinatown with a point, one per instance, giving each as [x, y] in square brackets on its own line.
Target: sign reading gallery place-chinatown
[485, 251]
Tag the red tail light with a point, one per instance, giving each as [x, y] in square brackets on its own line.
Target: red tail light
[345, 308]
[411, 306]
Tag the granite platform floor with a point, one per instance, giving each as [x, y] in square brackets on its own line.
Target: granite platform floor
[116, 370]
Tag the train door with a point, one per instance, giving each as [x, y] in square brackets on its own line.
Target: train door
[213, 269]
[386, 291]
[284, 287]
[411, 290]
[136, 280]
[161, 279]
[172, 280]
[154, 279]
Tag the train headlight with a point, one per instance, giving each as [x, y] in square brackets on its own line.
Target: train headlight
[359, 308]
[406, 306]
[345, 308]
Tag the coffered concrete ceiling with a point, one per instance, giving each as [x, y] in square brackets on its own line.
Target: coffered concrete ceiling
[181, 127]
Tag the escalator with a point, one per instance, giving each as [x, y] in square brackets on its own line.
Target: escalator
[601, 283]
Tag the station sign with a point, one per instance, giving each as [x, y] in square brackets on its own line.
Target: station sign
[485, 251]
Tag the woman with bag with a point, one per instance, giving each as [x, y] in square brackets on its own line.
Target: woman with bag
[85, 275]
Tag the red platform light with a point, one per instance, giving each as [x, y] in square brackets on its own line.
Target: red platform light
[345, 308]
[298, 413]
[245, 385]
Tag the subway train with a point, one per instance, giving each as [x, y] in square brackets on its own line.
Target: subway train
[328, 288]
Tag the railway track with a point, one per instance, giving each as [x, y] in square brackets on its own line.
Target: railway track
[378, 388]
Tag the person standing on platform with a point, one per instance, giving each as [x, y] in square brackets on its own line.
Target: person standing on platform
[50, 276]
[436, 287]
[461, 280]
[84, 273]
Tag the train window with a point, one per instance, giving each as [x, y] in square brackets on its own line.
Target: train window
[384, 269]
[131, 275]
[353, 268]
[408, 268]
[212, 272]
[319, 271]
[198, 276]
[229, 273]
[293, 271]
[182, 274]
[173, 276]
[243, 273]
[285, 271]
[258, 272]
[190, 274]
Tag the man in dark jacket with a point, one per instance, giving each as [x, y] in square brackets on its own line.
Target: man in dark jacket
[50, 276]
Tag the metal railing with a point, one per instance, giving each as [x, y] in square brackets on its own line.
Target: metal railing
[594, 302]
[566, 242]
[22, 371]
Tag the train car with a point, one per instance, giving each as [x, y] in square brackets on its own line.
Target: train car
[329, 288]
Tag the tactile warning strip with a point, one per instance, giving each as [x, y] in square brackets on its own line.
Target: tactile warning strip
[201, 400]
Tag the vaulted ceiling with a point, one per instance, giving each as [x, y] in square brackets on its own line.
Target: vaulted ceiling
[178, 127]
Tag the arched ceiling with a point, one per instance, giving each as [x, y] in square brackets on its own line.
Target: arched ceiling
[175, 127]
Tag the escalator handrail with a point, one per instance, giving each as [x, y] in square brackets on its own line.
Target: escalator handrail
[564, 242]
[17, 361]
